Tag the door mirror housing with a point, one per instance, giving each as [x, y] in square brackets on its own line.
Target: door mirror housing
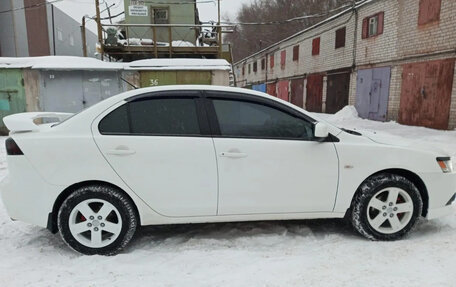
[321, 130]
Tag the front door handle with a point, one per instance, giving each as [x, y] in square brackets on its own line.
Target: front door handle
[233, 154]
[121, 151]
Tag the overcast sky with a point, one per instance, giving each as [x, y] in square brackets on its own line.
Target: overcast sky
[207, 11]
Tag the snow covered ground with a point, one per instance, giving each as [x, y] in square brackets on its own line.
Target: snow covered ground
[296, 253]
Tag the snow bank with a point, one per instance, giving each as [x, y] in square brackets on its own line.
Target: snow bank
[347, 113]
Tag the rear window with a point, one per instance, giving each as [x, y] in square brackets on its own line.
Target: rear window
[172, 116]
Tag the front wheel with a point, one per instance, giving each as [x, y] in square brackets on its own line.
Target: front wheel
[386, 207]
[97, 219]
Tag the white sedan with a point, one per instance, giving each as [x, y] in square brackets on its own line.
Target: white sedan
[193, 154]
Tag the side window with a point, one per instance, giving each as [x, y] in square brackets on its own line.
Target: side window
[252, 120]
[153, 117]
[116, 122]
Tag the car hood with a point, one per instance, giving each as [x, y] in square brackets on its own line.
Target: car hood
[398, 141]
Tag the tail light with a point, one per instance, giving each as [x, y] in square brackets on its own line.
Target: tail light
[12, 148]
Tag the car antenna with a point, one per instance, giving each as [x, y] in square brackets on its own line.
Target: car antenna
[129, 83]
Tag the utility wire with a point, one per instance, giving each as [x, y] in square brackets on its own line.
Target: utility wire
[287, 21]
[31, 6]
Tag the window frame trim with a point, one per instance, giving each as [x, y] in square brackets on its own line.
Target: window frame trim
[233, 96]
[202, 118]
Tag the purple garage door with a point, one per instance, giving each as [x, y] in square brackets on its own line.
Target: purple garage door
[372, 93]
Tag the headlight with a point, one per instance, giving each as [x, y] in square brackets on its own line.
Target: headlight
[445, 164]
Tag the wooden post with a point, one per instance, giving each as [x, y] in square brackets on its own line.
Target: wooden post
[83, 37]
[100, 31]
[170, 38]
[155, 41]
[219, 32]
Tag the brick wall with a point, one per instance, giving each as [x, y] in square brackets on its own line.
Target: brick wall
[402, 41]
[425, 39]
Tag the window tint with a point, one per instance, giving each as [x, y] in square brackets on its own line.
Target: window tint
[164, 117]
[246, 119]
[115, 122]
[153, 117]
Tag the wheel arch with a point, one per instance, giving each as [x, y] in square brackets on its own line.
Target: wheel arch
[52, 218]
[413, 177]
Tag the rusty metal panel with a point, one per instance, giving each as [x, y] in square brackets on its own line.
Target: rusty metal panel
[296, 53]
[429, 11]
[271, 89]
[372, 93]
[37, 32]
[314, 99]
[426, 93]
[338, 88]
[283, 59]
[316, 46]
[282, 90]
[340, 37]
[297, 92]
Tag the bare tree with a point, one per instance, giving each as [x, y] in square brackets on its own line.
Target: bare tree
[248, 39]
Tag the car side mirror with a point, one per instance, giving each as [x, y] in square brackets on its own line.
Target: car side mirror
[321, 130]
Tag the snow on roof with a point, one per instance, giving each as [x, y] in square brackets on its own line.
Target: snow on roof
[73, 63]
[14, 63]
[179, 64]
[85, 63]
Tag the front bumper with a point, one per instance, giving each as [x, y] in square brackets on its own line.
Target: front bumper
[441, 189]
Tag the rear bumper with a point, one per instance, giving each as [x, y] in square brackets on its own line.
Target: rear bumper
[26, 196]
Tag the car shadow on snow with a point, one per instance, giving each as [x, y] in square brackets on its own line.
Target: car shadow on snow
[220, 235]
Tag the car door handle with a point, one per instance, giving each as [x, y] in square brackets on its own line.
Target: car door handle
[233, 154]
[121, 152]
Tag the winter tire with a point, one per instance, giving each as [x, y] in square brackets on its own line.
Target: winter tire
[97, 219]
[386, 207]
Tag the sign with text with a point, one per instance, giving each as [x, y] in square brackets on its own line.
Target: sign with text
[138, 10]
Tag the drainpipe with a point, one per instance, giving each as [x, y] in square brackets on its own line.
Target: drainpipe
[83, 37]
[53, 29]
[355, 42]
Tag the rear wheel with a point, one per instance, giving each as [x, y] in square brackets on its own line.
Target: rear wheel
[386, 207]
[97, 220]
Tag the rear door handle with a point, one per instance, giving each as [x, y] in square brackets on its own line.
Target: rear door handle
[233, 154]
[120, 151]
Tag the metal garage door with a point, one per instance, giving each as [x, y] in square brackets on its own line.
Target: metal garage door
[314, 99]
[426, 93]
[12, 94]
[372, 93]
[282, 90]
[297, 92]
[271, 89]
[338, 87]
